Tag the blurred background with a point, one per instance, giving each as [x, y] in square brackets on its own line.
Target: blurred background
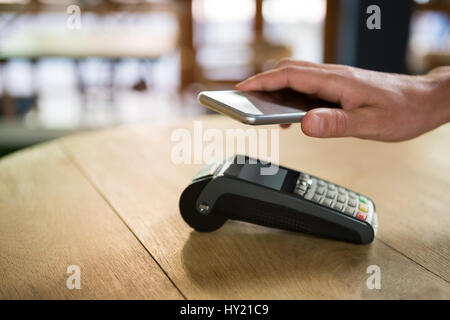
[125, 61]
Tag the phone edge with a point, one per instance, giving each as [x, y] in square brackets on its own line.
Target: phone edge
[246, 118]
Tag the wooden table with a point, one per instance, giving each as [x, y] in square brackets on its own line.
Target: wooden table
[107, 202]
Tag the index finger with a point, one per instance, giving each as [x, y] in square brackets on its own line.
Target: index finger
[326, 84]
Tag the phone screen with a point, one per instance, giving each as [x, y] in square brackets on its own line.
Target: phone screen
[269, 102]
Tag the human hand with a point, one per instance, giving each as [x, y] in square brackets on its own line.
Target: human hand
[375, 105]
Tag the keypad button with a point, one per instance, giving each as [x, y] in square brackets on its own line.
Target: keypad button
[363, 200]
[310, 193]
[363, 207]
[304, 176]
[302, 183]
[320, 183]
[331, 195]
[351, 194]
[327, 202]
[338, 206]
[316, 198]
[331, 187]
[302, 187]
[342, 190]
[349, 211]
[300, 192]
[320, 191]
[361, 215]
[352, 202]
[341, 199]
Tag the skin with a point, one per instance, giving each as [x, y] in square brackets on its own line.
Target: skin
[375, 105]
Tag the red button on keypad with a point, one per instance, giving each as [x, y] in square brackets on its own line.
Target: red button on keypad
[361, 215]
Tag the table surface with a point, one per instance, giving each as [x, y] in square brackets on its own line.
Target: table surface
[107, 202]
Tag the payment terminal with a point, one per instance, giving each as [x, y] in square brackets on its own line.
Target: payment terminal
[237, 188]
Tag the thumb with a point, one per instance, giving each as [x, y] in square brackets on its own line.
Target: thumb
[325, 123]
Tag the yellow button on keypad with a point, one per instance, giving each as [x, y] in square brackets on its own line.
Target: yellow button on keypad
[363, 207]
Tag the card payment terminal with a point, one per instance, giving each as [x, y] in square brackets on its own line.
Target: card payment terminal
[236, 189]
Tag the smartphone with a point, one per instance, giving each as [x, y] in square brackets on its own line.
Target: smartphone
[262, 107]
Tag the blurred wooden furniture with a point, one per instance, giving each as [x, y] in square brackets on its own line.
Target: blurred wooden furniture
[330, 36]
[81, 43]
[23, 38]
[225, 71]
[107, 202]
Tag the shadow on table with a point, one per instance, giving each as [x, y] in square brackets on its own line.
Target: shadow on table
[240, 256]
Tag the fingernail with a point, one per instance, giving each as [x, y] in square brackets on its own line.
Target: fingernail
[315, 126]
[240, 84]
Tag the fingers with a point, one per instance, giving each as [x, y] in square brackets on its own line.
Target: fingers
[285, 125]
[326, 84]
[298, 78]
[327, 123]
[440, 70]
[285, 62]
